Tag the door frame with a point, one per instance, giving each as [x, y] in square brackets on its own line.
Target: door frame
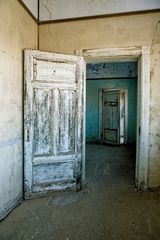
[142, 55]
[100, 93]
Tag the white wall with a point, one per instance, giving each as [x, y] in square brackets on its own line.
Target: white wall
[64, 9]
[17, 31]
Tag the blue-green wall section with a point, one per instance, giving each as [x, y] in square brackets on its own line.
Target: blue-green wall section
[92, 102]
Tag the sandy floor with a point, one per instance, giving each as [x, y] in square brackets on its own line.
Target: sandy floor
[109, 207]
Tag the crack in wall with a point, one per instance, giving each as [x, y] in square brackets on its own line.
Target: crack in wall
[52, 35]
[49, 25]
[48, 10]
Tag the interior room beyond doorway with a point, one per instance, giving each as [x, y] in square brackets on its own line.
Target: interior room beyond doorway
[111, 105]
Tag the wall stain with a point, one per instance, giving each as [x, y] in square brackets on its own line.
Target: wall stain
[11, 141]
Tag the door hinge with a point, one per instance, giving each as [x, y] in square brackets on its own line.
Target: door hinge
[79, 183]
[27, 135]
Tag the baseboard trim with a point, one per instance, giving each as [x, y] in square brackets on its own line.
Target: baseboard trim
[9, 207]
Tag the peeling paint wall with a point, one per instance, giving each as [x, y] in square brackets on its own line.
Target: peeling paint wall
[124, 31]
[18, 31]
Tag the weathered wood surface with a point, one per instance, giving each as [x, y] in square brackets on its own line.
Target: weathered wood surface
[111, 116]
[53, 121]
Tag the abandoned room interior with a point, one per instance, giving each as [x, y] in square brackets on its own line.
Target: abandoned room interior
[79, 119]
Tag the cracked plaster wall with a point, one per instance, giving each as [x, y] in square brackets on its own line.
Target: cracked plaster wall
[18, 31]
[124, 31]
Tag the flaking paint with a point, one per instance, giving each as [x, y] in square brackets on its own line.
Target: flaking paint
[53, 122]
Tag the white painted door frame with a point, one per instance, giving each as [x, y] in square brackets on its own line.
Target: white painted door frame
[142, 55]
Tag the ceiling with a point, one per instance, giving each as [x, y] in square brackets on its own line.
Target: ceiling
[50, 10]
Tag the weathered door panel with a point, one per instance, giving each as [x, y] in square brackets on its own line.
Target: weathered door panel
[53, 121]
[110, 117]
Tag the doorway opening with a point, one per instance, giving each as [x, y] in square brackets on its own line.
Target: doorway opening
[140, 54]
[111, 118]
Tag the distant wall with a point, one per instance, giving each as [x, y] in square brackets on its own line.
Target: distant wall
[116, 71]
[17, 31]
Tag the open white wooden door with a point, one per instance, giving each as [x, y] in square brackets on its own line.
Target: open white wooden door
[53, 122]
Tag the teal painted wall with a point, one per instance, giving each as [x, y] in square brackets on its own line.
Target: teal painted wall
[92, 110]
